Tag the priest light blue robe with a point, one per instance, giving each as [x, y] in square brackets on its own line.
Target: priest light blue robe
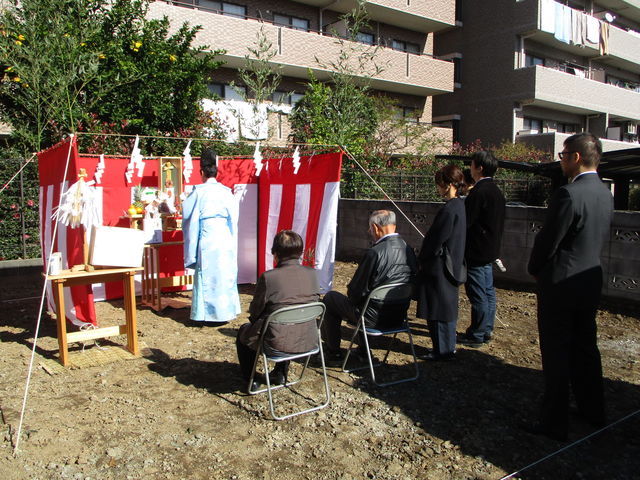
[210, 227]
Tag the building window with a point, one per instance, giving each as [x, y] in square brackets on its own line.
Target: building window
[209, 5]
[618, 82]
[227, 92]
[286, 98]
[532, 60]
[405, 46]
[407, 114]
[532, 125]
[573, 69]
[291, 22]
[230, 9]
[566, 127]
[368, 38]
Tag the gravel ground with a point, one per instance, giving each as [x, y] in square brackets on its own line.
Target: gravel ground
[179, 411]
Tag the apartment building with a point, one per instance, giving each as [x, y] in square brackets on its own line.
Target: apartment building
[537, 71]
[303, 35]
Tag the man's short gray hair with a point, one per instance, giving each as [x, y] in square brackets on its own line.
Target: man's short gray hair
[383, 218]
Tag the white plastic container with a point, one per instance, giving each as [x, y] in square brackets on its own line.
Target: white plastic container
[55, 263]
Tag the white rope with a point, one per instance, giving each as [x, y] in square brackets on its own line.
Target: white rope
[567, 447]
[381, 189]
[42, 295]
[4, 187]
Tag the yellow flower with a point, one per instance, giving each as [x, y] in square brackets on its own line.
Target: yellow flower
[66, 35]
[102, 56]
[17, 79]
[25, 85]
[18, 42]
[173, 58]
[8, 69]
[82, 44]
[21, 37]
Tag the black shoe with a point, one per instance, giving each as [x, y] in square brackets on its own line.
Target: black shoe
[469, 341]
[488, 337]
[333, 359]
[277, 377]
[539, 429]
[257, 384]
[435, 357]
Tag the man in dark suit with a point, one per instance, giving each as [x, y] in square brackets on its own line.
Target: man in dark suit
[390, 260]
[485, 210]
[566, 263]
[289, 283]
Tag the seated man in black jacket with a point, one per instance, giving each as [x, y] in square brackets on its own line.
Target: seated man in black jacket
[389, 260]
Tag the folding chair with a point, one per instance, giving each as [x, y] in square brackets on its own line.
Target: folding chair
[394, 292]
[288, 316]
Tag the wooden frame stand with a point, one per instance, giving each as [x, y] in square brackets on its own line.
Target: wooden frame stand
[72, 279]
[152, 283]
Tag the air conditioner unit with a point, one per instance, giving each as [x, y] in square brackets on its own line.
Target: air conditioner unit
[631, 128]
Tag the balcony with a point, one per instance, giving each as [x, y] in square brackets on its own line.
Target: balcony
[440, 137]
[297, 50]
[624, 47]
[557, 90]
[421, 16]
[553, 142]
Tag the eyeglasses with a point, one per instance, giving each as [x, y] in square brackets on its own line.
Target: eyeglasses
[562, 154]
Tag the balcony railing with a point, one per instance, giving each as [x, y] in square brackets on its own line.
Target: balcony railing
[297, 51]
[623, 47]
[551, 88]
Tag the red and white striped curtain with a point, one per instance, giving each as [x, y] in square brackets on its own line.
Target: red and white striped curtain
[305, 202]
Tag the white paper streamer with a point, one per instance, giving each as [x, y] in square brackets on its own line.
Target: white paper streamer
[78, 207]
[257, 159]
[187, 163]
[296, 160]
[136, 157]
[99, 170]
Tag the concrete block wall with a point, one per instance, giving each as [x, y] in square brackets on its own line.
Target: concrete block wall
[620, 256]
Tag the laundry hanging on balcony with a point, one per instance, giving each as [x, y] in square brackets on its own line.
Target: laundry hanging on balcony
[573, 26]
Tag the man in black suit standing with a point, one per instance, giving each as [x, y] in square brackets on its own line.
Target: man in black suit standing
[565, 261]
[485, 211]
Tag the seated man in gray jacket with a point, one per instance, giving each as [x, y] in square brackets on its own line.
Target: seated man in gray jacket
[289, 283]
[389, 260]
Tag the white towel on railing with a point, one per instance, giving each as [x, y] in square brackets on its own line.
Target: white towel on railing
[563, 23]
[593, 30]
[548, 16]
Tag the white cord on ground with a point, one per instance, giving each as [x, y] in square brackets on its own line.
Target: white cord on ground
[44, 289]
[4, 187]
[553, 454]
[381, 189]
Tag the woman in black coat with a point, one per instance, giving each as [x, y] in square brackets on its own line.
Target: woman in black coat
[442, 268]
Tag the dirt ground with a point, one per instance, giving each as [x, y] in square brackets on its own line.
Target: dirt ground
[179, 411]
